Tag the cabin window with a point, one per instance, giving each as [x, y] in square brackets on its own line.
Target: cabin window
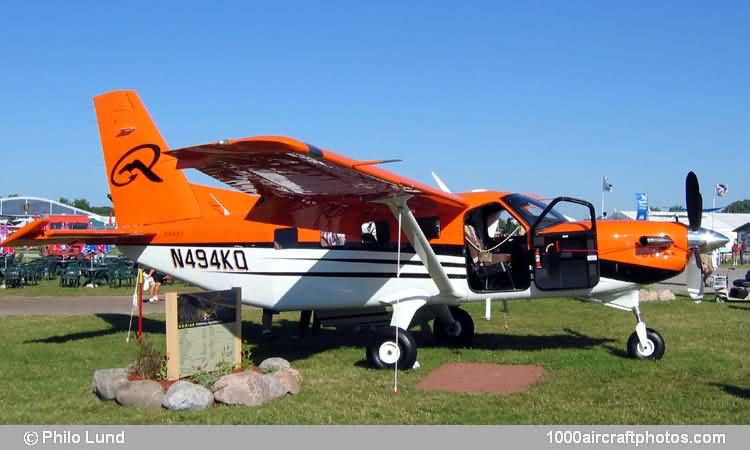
[284, 238]
[375, 233]
[430, 227]
[330, 239]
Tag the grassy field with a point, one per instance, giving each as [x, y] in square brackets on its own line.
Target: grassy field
[704, 378]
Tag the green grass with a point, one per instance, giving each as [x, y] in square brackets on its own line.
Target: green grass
[53, 288]
[704, 378]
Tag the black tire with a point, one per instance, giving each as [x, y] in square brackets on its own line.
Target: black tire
[466, 335]
[653, 336]
[383, 344]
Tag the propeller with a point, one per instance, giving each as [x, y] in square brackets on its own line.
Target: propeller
[694, 205]
[693, 201]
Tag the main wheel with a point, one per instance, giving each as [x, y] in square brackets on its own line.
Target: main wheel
[384, 351]
[654, 348]
[459, 334]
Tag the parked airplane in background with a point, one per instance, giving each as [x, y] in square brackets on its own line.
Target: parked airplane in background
[385, 239]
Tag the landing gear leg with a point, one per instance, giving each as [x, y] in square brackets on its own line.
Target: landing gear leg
[645, 343]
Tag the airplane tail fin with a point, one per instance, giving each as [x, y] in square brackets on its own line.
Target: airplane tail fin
[144, 182]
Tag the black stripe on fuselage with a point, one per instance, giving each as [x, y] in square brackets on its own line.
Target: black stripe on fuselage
[342, 274]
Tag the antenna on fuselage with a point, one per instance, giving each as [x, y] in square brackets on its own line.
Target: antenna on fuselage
[443, 187]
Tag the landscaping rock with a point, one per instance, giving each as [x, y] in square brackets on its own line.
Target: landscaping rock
[244, 388]
[106, 382]
[648, 295]
[666, 295]
[274, 364]
[184, 395]
[141, 394]
[290, 379]
[276, 388]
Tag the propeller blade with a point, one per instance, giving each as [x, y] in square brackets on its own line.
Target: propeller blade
[695, 276]
[693, 201]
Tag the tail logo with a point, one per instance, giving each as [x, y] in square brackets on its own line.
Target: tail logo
[131, 163]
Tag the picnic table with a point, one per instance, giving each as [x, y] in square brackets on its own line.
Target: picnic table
[91, 274]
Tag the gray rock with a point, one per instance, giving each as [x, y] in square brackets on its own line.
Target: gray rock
[106, 382]
[647, 295]
[244, 388]
[276, 388]
[666, 295]
[141, 394]
[290, 379]
[184, 395]
[274, 364]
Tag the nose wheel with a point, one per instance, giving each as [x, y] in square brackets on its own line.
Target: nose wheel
[389, 347]
[652, 348]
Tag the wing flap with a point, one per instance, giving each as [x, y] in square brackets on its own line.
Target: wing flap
[303, 186]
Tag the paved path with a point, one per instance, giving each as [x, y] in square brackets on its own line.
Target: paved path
[71, 306]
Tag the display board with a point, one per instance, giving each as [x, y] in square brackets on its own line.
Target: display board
[204, 332]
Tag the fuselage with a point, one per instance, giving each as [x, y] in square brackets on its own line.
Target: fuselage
[222, 249]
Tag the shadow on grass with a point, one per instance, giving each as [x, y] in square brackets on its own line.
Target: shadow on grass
[117, 322]
[287, 345]
[733, 390]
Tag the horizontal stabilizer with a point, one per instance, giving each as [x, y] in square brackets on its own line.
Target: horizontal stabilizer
[35, 233]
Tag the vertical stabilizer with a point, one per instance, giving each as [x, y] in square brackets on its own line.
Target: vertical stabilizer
[144, 181]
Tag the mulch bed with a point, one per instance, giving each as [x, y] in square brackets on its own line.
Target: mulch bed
[481, 378]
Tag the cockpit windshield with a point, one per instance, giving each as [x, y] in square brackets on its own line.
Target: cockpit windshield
[530, 209]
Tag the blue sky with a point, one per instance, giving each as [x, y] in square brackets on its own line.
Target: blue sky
[541, 97]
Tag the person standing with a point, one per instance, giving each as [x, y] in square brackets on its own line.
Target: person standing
[716, 258]
[742, 252]
[735, 251]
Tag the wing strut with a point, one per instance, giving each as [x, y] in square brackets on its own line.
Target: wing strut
[418, 240]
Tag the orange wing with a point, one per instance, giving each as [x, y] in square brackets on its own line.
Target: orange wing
[35, 234]
[303, 186]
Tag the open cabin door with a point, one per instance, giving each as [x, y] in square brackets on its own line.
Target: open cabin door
[564, 254]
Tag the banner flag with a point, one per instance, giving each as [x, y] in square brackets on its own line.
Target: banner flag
[641, 203]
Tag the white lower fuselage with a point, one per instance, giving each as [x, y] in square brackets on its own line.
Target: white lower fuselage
[319, 279]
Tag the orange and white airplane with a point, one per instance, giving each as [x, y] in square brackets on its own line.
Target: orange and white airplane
[385, 241]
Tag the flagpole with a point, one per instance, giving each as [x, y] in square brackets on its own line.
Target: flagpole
[713, 213]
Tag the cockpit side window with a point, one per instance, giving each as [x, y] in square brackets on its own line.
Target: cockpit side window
[530, 209]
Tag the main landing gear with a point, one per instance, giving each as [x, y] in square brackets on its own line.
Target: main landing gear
[394, 346]
[458, 333]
